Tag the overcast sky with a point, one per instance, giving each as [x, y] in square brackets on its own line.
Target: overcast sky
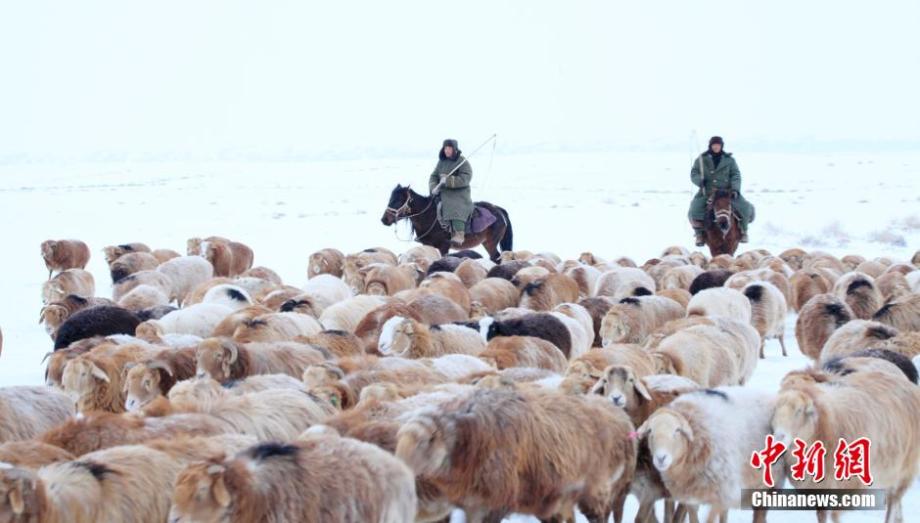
[314, 78]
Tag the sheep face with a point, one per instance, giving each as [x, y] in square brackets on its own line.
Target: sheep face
[82, 377]
[401, 341]
[614, 328]
[53, 316]
[253, 330]
[795, 416]
[18, 497]
[200, 494]
[193, 247]
[669, 437]
[215, 358]
[48, 250]
[623, 388]
[422, 444]
[316, 376]
[580, 378]
[142, 386]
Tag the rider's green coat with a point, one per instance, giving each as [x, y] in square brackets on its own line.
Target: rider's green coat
[705, 175]
[456, 200]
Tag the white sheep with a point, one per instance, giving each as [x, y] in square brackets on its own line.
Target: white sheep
[346, 315]
[198, 319]
[768, 312]
[186, 273]
[231, 296]
[623, 282]
[720, 301]
[701, 443]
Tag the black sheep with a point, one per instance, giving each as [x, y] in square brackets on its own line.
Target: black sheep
[708, 279]
[539, 325]
[445, 264]
[507, 270]
[103, 320]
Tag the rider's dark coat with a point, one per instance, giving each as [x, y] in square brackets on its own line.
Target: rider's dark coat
[456, 201]
[705, 175]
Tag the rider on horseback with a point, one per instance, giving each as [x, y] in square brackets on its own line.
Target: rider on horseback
[451, 181]
[719, 171]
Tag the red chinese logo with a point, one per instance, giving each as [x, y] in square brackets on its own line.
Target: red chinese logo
[767, 457]
[808, 460]
[850, 460]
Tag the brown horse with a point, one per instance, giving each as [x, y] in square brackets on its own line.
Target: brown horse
[723, 229]
[422, 212]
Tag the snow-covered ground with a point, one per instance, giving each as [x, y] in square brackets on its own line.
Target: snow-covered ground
[612, 204]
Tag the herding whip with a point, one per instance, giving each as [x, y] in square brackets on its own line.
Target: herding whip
[437, 188]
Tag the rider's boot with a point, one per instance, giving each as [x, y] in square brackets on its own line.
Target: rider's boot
[700, 238]
[744, 237]
[457, 238]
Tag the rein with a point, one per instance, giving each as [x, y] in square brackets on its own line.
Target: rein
[397, 214]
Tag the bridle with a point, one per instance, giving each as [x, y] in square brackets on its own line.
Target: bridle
[725, 213]
[398, 213]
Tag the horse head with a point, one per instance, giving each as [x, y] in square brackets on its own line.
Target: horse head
[398, 206]
[720, 204]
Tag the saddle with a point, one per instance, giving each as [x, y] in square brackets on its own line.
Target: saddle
[481, 219]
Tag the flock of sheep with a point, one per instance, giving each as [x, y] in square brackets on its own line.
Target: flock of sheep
[399, 388]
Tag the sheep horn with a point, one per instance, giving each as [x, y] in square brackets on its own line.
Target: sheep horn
[234, 352]
[160, 364]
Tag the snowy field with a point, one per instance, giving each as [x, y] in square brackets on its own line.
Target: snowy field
[630, 204]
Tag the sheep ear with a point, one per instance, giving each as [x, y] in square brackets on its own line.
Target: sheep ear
[99, 374]
[643, 430]
[16, 501]
[219, 488]
[641, 390]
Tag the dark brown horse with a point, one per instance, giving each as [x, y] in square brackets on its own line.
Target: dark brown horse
[723, 229]
[422, 212]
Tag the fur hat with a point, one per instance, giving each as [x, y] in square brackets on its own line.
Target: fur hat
[716, 139]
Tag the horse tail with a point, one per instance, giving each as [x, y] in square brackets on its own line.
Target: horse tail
[507, 241]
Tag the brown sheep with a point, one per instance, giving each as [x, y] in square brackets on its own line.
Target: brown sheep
[546, 293]
[232, 321]
[860, 293]
[32, 454]
[673, 326]
[229, 258]
[470, 272]
[807, 283]
[448, 285]
[326, 261]
[584, 275]
[435, 309]
[587, 370]
[279, 298]
[355, 262]
[262, 273]
[152, 278]
[490, 473]
[873, 269]
[225, 360]
[156, 376]
[321, 477]
[524, 351]
[422, 255]
[681, 296]
[817, 320]
[54, 314]
[164, 255]
[58, 359]
[113, 252]
[129, 483]
[345, 387]
[887, 407]
[197, 294]
[901, 313]
[528, 274]
[492, 295]
[67, 282]
[96, 378]
[632, 320]
[101, 430]
[387, 280]
[368, 330]
[855, 336]
[338, 343]
[851, 261]
[131, 263]
[276, 326]
[60, 255]
[794, 257]
[892, 285]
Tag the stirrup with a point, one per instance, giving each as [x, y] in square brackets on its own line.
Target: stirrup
[700, 239]
[743, 238]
